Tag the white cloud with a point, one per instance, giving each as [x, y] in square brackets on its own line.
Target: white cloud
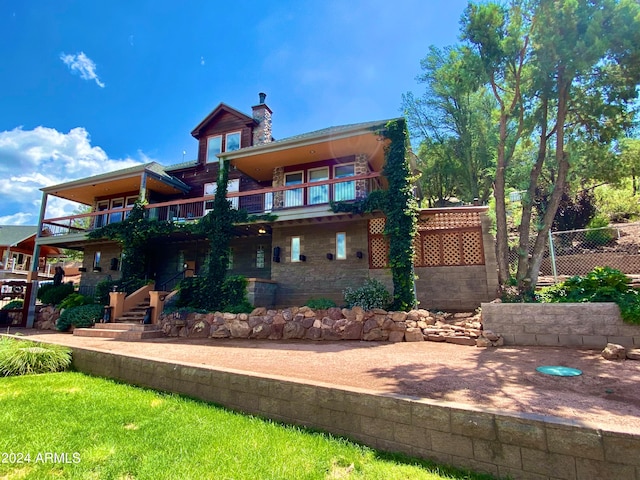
[33, 159]
[83, 65]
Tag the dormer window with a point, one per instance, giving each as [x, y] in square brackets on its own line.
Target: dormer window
[232, 142]
[215, 145]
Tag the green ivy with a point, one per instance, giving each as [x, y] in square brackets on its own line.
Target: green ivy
[401, 210]
[133, 234]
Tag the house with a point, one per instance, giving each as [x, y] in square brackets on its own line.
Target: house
[307, 251]
[17, 244]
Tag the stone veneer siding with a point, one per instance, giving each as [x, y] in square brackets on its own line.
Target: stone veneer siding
[524, 446]
[107, 252]
[591, 325]
[317, 276]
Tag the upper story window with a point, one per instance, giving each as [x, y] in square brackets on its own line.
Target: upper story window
[216, 146]
[344, 190]
[232, 142]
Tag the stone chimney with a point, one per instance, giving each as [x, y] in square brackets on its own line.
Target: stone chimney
[262, 116]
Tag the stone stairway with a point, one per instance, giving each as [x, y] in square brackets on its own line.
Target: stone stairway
[127, 327]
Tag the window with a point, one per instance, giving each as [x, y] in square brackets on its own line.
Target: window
[129, 202]
[344, 190]
[341, 245]
[116, 203]
[101, 220]
[214, 147]
[319, 194]
[96, 259]
[294, 197]
[232, 142]
[260, 257]
[230, 263]
[295, 249]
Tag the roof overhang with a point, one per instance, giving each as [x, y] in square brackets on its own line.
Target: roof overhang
[259, 161]
[86, 190]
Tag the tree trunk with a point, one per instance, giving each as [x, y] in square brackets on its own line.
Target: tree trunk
[559, 184]
[524, 282]
[502, 243]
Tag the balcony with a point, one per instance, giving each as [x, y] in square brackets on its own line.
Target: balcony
[288, 201]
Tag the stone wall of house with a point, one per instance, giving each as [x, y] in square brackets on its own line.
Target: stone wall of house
[332, 324]
[318, 276]
[261, 292]
[107, 252]
[520, 446]
[591, 325]
[245, 254]
[278, 181]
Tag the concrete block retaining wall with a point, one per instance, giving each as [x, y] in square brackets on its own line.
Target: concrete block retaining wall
[590, 325]
[524, 446]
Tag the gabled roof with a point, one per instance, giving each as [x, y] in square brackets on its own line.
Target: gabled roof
[12, 235]
[220, 108]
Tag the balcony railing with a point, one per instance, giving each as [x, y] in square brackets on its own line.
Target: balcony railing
[266, 200]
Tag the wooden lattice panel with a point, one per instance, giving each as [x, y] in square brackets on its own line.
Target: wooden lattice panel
[449, 220]
[451, 249]
[472, 248]
[376, 226]
[417, 250]
[378, 251]
[431, 250]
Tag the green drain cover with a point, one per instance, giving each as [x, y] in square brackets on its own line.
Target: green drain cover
[559, 371]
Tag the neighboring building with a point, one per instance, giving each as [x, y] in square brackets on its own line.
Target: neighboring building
[16, 253]
[308, 251]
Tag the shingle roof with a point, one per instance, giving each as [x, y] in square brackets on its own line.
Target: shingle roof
[11, 235]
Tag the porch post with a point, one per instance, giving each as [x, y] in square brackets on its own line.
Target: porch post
[32, 276]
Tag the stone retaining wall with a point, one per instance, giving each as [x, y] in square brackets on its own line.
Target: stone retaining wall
[591, 325]
[523, 446]
[333, 324]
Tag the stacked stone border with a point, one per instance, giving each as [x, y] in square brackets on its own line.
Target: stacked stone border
[588, 325]
[523, 446]
[303, 323]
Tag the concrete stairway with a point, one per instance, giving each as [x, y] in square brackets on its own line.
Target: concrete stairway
[121, 331]
[127, 327]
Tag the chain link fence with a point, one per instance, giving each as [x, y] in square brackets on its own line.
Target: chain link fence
[577, 252]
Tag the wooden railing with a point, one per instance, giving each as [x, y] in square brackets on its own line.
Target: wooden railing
[265, 200]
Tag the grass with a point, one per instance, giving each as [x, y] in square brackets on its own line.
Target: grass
[118, 431]
[23, 357]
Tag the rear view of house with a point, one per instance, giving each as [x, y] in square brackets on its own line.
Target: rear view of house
[304, 250]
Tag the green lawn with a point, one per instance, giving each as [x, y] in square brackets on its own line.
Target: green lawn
[76, 426]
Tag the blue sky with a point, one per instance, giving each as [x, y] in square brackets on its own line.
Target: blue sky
[88, 87]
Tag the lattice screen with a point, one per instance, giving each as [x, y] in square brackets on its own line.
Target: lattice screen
[378, 251]
[430, 250]
[376, 226]
[443, 239]
[448, 220]
[472, 247]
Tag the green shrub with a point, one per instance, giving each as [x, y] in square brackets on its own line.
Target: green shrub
[53, 295]
[373, 294]
[18, 357]
[82, 316]
[105, 286]
[597, 234]
[14, 305]
[232, 297]
[602, 284]
[618, 204]
[75, 300]
[234, 292]
[320, 303]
